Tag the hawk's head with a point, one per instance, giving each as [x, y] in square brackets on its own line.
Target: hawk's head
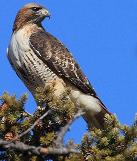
[30, 13]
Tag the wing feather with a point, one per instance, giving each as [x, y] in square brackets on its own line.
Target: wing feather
[52, 52]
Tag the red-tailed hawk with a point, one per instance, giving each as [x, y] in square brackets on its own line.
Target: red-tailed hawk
[40, 59]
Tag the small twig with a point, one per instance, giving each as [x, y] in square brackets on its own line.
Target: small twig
[135, 124]
[60, 136]
[25, 113]
[19, 146]
[32, 127]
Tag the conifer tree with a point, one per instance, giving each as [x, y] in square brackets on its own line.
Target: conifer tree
[39, 136]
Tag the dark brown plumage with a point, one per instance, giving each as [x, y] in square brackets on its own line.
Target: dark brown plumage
[53, 53]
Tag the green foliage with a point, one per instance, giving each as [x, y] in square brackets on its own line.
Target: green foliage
[15, 120]
[47, 139]
[61, 104]
[115, 142]
[11, 114]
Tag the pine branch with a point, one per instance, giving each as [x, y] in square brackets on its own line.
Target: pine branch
[58, 149]
[33, 126]
[59, 141]
[19, 146]
[44, 132]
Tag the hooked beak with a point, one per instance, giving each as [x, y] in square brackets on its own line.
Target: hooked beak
[45, 13]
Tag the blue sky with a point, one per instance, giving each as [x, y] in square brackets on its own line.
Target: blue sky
[102, 35]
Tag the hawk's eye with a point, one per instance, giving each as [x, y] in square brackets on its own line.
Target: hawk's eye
[35, 9]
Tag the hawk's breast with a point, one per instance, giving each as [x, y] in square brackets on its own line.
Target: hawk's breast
[27, 65]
